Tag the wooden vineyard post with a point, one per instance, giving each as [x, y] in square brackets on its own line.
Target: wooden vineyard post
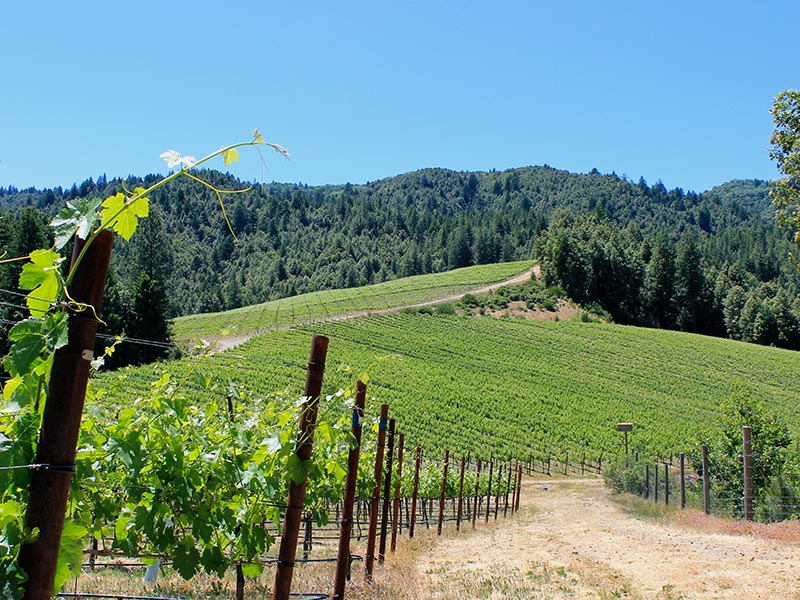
[683, 479]
[61, 422]
[747, 461]
[666, 484]
[519, 490]
[414, 492]
[396, 511]
[508, 487]
[460, 494]
[655, 483]
[346, 526]
[489, 490]
[477, 495]
[514, 488]
[297, 491]
[387, 494]
[376, 492]
[706, 482]
[647, 481]
[444, 492]
[497, 496]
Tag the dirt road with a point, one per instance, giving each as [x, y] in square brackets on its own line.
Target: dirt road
[571, 540]
[231, 341]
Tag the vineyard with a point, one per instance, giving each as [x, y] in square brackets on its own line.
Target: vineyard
[338, 303]
[501, 386]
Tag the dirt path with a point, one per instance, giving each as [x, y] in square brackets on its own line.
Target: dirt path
[570, 540]
[231, 341]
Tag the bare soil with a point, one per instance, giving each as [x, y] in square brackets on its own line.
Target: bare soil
[571, 539]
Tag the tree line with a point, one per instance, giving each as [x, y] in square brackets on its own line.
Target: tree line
[735, 284]
[292, 238]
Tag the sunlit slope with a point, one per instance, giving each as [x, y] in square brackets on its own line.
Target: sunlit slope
[504, 386]
[331, 303]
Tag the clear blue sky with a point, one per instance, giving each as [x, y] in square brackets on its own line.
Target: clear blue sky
[357, 91]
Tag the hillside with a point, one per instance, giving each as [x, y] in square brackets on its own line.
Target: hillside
[484, 385]
[293, 239]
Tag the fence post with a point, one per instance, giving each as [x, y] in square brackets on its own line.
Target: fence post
[387, 493]
[647, 481]
[444, 491]
[346, 526]
[308, 538]
[489, 490]
[519, 490]
[706, 483]
[683, 479]
[655, 483]
[58, 436]
[666, 484]
[376, 492]
[497, 495]
[460, 494]
[477, 495]
[747, 455]
[517, 474]
[396, 510]
[297, 491]
[508, 486]
[414, 492]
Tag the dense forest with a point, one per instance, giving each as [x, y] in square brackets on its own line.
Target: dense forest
[623, 247]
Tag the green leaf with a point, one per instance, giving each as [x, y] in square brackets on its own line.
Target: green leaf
[76, 219]
[186, 558]
[251, 570]
[122, 214]
[230, 156]
[70, 553]
[121, 527]
[41, 277]
[28, 346]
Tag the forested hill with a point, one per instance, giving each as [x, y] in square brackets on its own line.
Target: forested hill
[296, 238]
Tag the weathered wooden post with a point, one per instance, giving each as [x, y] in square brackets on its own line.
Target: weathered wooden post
[346, 526]
[297, 491]
[460, 494]
[666, 484]
[625, 428]
[489, 490]
[706, 482]
[683, 479]
[396, 510]
[655, 483]
[414, 492]
[508, 488]
[376, 493]
[387, 494]
[477, 495]
[647, 481]
[747, 455]
[61, 421]
[444, 492]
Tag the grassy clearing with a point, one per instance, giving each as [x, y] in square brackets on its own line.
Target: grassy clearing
[329, 303]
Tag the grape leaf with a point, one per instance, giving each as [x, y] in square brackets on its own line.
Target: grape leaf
[70, 553]
[28, 345]
[230, 156]
[41, 277]
[76, 219]
[122, 214]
